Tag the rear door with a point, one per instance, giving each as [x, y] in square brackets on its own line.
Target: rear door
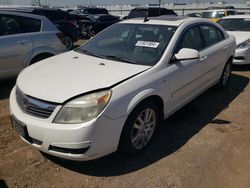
[15, 42]
[213, 55]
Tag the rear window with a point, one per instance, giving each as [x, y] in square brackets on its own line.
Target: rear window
[16, 24]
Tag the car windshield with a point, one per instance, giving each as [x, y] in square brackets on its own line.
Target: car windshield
[140, 44]
[235, 24]
[213, 14]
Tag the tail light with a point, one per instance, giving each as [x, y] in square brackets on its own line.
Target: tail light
[61, 37]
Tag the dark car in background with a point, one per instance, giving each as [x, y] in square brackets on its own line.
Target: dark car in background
[149, 12]
[93, 24]
[90, 10]
[58, 17]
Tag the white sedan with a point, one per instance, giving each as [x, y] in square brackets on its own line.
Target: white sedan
[113, 91]
[239, 27]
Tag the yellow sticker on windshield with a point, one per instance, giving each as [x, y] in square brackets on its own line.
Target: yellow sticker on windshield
[148, 44]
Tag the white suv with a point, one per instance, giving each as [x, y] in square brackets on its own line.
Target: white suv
[26, 39]
[113, 91]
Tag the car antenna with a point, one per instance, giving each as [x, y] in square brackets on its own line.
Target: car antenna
[146, 18]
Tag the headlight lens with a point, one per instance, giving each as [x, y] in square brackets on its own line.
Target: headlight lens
[84, 108]
[245, 44]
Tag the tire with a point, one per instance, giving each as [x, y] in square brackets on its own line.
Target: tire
[225, 76]
[138, 132]
[40, 58]
[69, 42]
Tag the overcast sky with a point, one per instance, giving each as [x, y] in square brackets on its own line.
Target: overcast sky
[104, 2]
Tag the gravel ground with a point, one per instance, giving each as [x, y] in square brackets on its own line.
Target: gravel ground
[205, 144]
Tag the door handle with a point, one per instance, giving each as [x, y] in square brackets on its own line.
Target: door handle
[203, 58]
[22, 42]
[225, 47]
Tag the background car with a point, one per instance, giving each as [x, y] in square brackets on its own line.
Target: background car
[239, 27]
[93, 24]
[215, 14]
[193, 14]
[113, 91]
[149, 12]
[58, 17]
[90, 10]
[26, 39]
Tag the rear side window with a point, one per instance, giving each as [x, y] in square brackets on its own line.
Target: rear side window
[10, 25]
[211, 34]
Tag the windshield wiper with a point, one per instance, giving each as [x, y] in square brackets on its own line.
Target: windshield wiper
[91, 53]
[116, 58]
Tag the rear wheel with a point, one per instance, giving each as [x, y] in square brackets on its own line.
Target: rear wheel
[69, 42]
[139, 128]
[225, 75]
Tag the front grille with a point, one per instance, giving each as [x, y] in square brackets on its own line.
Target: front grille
[33, 106]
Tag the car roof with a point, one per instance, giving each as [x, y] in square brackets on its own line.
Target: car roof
[164, 20]
[23, 14]
[47, 25]
[147, 8]
[213, 10]
[237, 16]
[29, 9]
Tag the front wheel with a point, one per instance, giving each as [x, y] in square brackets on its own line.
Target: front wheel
[139, 128]
[225, 75]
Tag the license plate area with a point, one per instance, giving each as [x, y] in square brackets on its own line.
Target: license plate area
[19, 127]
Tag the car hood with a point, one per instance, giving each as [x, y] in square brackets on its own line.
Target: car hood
[240, 36]
[62, 77]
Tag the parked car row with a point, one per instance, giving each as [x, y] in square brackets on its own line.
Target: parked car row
[112, 92]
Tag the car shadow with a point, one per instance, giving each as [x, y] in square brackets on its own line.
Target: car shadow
[3, 184]
[176, 131]
[6, 87]
[241, 67]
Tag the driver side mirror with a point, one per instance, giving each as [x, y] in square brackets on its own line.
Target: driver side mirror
[186, 54]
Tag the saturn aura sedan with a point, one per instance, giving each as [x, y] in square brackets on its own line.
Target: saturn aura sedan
[112, 92]
[239, 27]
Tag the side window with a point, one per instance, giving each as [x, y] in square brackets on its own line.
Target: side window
[29, 25]
[9, 25]
[211, 34]
[153, 12]
[166, 12]
[190, 39]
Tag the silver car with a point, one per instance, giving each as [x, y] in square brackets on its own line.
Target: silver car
[26, 39]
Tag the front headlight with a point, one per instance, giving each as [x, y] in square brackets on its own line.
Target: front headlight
[245, 44]
[84, 108]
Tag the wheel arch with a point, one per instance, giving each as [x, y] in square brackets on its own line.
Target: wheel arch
[146, 95]
[40, 56]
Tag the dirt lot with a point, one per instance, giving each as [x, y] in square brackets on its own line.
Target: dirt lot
[205, 144]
